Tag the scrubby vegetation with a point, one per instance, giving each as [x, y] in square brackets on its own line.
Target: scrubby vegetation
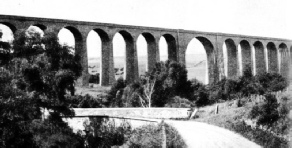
[259, 136]
[151, 136]
[271, 126]
[102, 132]
[167, 84]
[262, 119]
[243, 87]
[157, 88]
[107, 133]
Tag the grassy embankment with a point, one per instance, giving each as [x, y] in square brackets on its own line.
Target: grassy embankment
[236, 119]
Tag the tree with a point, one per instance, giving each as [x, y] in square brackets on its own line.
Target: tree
[201, 94]
[114, 97]
[266, 113]
[272, 82]
[106, 133]
[40, 73]
[167, 80]
[145, 94]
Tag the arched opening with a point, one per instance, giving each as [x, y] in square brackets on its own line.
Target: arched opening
[119, 51]
[6, 39]
[163, 49]
[146, 51]
[129, 70]
[200, 60]
[98, 51]
[6, 25]
[41, 26]
[71, 37]
[34, 30]
[94, 46]
[6, 32]
[245, 59]
[171, 47]
[231, 59]
[66, 38]
[260, 64]
[272, 58]
[142, 54]
[284, 58]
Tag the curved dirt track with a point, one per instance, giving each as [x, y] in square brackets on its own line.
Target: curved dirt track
[202, 135]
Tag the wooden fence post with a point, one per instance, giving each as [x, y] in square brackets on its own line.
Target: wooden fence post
[163, 134]
[217, 109]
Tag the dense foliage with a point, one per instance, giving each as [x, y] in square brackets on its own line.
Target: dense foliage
[151, 136]
[266, 113]
[102, 132]
[263, 138]
[115, 94]
[169, 79]
[36, 73]
[271, 114]
[87, 101]
[171, 87]
[245, 86]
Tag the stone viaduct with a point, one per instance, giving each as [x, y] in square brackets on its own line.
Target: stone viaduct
[262, 53]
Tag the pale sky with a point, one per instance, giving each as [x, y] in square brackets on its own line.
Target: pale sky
[270, 18]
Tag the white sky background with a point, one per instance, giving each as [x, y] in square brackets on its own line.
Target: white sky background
[270, 18]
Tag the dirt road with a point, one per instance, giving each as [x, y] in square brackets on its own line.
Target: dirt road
[201, 135]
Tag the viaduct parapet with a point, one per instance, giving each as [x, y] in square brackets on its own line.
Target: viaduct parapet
[262, 53]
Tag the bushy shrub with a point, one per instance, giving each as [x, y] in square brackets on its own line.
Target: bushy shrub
[132, 95]
[223, 90]
[266, 113]
[116, 92]
[263, 138]
[146, 136]
[283, 108]
[245, 86]
[94, 79]
[272, 82]
[149, 136]
[178, 102]
[169, 79]
[252, 88]
[282, 125]
[87, 101]
[61, 136]
[173, 138]
[102, 132]
[200, 93]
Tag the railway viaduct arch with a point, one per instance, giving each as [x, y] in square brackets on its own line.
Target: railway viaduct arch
[262, 53]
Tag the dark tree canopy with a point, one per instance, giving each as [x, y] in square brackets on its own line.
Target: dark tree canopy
[37, 73]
